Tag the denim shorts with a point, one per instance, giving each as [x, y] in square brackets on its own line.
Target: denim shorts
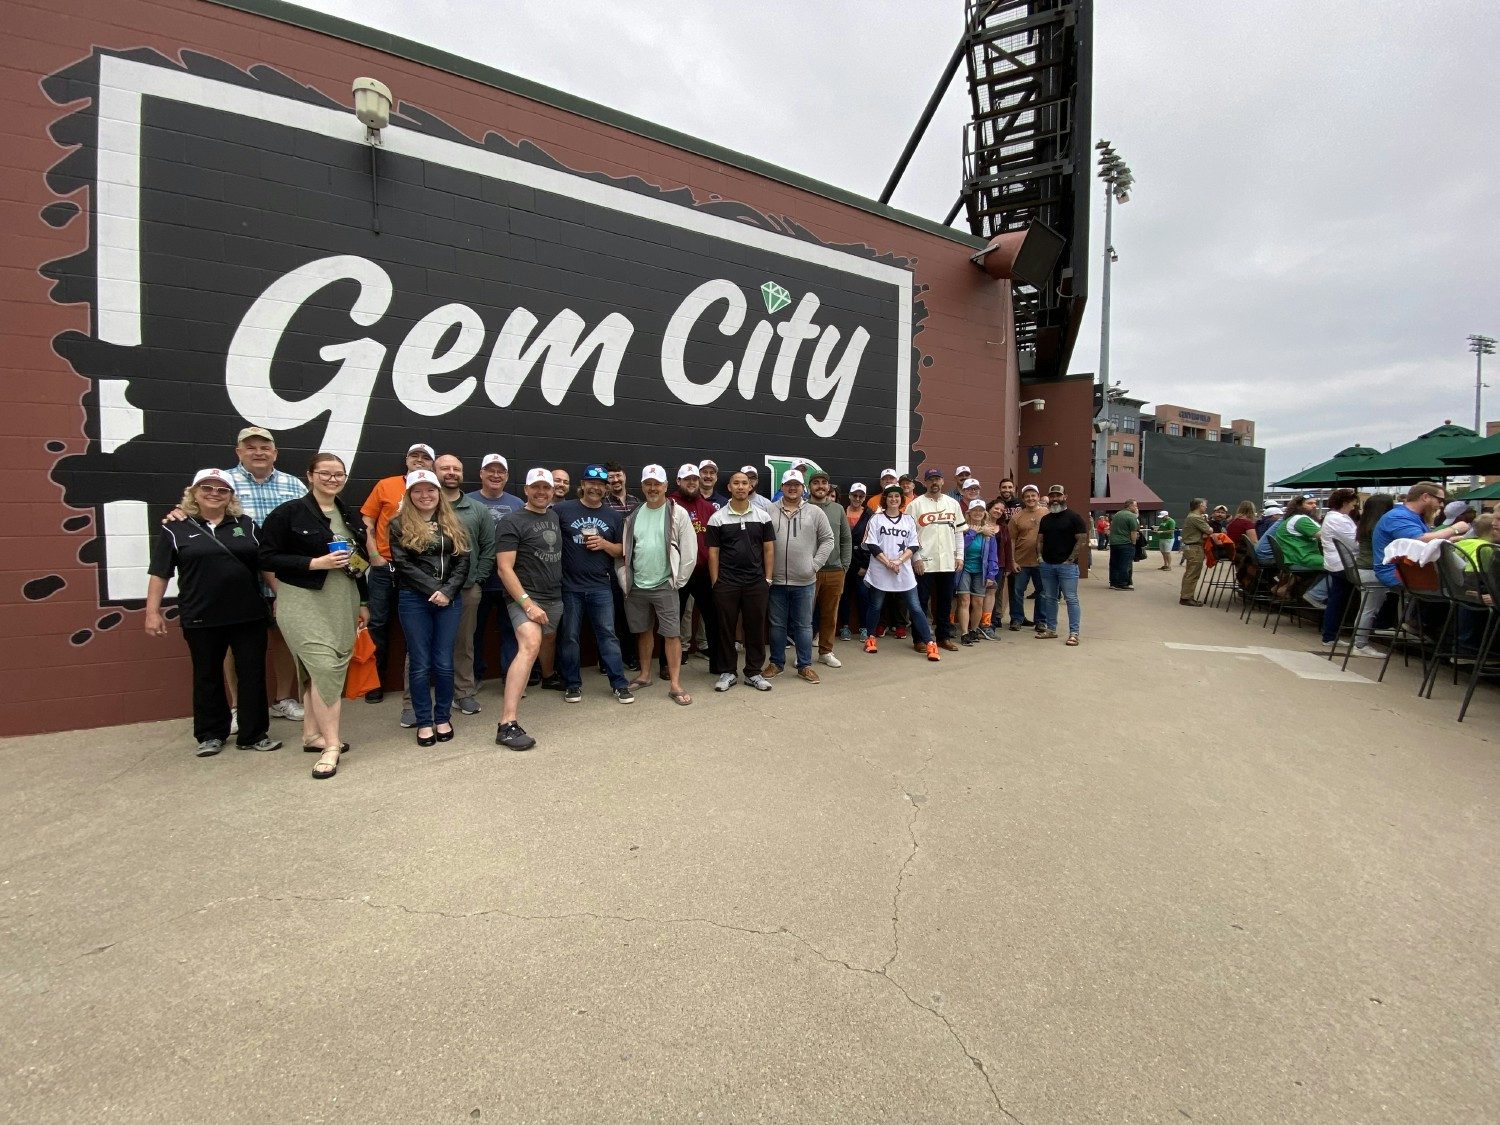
[970, 583]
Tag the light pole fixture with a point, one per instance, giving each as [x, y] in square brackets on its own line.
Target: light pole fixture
[372, 105]
[1118, 181]
[1481, 346]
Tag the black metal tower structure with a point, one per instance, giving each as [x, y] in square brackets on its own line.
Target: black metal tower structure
[1027, 155]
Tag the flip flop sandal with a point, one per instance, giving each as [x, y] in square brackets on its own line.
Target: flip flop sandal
[322, 771]
[681, 698]
[636, 685]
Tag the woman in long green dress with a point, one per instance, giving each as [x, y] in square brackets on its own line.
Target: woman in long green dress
[313, 553]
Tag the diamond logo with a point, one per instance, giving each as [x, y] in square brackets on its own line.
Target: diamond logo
[775, 296]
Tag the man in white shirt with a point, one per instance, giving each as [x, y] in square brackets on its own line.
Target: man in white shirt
[940, 524]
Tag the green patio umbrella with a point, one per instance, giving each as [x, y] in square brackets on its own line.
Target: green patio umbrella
[1418, 459]
[1322, 475]
[1482, 457]
[1488, 492]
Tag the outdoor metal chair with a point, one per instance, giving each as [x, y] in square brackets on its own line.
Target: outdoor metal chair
[1218, 572]
[1487, 564]
[1457, 594]
[1291, 605]
[1419, 587]
[1362, 590]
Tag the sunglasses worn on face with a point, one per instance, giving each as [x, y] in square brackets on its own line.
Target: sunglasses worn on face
[214, 490]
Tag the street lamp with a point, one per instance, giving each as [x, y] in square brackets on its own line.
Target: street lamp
[1118, 181]
[1481, 346]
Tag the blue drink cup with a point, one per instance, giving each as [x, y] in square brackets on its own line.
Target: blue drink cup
[338, 545]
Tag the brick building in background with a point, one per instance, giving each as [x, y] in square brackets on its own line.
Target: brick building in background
[1181, 421]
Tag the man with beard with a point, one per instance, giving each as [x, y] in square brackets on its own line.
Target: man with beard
[481, 530]
[494, 474]
[591, 532]
[829, 588]
[708, 483]
[661, 553]
[562, 482]
[1024, 522]
[1008, 494]
[699, 587]
[940, 524]
[1064, 536]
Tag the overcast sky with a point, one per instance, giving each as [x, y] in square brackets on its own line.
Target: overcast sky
[1314, 230]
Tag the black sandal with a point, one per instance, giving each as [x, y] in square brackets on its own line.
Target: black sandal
[325, 774]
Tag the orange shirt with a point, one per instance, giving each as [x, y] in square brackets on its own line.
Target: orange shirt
[384, 499]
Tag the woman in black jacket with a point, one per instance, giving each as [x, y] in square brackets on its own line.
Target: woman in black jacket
[855, 594]
[430, 554]
[313, 552]
[214, 551]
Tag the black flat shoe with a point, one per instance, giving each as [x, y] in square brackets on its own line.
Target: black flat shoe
[443, 735]
[426, 740]
[374, 696]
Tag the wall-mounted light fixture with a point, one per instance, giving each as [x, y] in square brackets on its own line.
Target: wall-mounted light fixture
[1039, 403]
[372, 105]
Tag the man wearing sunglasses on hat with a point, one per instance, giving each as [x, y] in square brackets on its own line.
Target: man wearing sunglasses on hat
[591, 532]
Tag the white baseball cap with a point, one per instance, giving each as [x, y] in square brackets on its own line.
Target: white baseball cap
[792, 475]
[494, 459]
[218, 475]
[887, 473]
[656, 473]
[688, 470]
[427, 449]
[750, 470]
[971, 482]
[857, 487]
[538, 476]
[707, 462]
[1163, 512]
[961, 470]
[975, 504]
[421, 476]
[1031, 488]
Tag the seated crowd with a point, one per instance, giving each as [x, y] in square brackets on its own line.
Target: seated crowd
[270, 565]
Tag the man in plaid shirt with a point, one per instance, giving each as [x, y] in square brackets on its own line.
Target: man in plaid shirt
[260, 486]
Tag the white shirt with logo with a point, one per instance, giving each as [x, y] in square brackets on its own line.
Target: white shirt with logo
[892, 536]
[940, 524]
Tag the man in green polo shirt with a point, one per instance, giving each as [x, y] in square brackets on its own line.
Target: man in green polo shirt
[1124, 530]
[1166, 531]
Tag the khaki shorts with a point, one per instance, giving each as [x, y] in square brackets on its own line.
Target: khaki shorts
[553, 610]
[659, 602]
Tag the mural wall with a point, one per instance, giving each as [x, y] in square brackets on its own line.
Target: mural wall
[199, 240]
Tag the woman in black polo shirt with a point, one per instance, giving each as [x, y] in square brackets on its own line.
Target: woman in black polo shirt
[215, 554]
[315, 549]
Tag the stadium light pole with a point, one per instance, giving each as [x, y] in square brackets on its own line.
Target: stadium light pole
[1118, 181]
[1481, 346]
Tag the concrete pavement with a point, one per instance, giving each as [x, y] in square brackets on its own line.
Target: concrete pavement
[1119, 883]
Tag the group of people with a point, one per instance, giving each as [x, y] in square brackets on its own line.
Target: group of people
[1317, 545]
[270, 565]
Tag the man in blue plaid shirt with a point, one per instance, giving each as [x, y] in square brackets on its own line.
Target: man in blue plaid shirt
[260, 486]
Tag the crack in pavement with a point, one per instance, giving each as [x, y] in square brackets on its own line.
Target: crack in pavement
[884, 971]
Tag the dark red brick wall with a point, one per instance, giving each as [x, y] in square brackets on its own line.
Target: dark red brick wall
[70, 661]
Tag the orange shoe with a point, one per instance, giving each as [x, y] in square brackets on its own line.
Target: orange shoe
[932, 651]
[870, 644]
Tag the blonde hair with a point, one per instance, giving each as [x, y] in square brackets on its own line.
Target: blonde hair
[417, 534]
[189, 504]
[1482, 525]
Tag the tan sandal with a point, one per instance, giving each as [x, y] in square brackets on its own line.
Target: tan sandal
[1072, 640]
[326, 766]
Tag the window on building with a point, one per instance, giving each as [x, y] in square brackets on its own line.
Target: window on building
[1130, 449]
[1213, 435]
[1128, 425]
[1114, 447]
[1174, 430]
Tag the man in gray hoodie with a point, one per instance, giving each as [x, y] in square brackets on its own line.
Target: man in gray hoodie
[830, 578]
[804, 540]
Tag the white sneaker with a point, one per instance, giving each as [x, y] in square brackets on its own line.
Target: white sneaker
[725, 682]
[234, 720]
[759, 683]
[287, 709]
[829, 659]
[1368, 650]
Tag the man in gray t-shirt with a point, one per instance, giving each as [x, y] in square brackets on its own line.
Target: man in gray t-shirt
[528, 558]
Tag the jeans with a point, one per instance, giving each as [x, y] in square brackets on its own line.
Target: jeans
[791, 611]
[599, 603]
[493, 601]
[936, 587]
[856, 597]
[907, 598]
[207, 644]
[430, 631]
[1059, 578]
[1018, 580]
[1337, 590]
[381, 582]
[1121, 564]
